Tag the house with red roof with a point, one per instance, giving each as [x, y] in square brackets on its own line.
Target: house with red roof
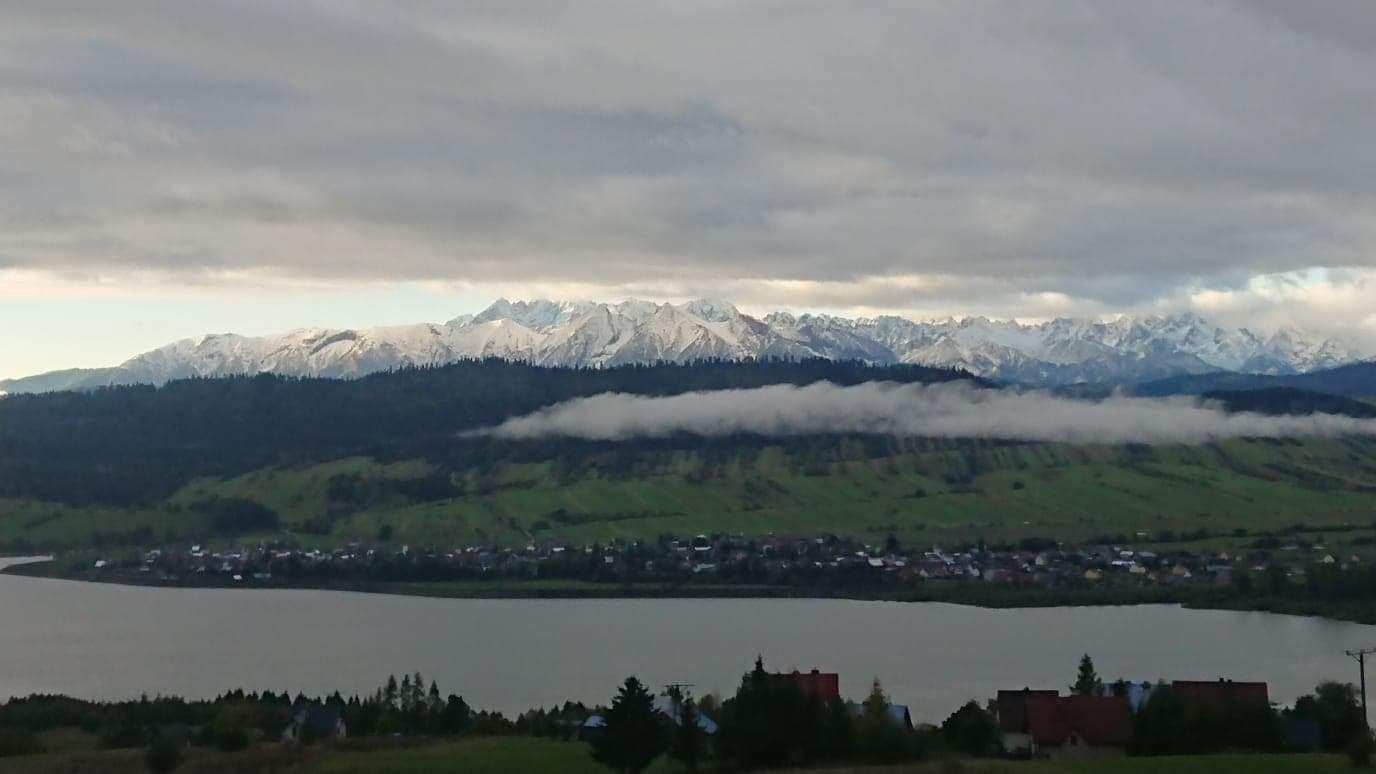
[1220, 696]
[1011, 708]
[822, 685]
[1044, 724]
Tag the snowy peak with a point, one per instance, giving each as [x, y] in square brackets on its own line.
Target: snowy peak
[536, 315]
[1062, 351]
[710, 311]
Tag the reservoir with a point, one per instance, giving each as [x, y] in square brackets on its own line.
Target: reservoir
[106, 641]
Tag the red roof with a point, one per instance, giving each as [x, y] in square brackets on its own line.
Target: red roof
[1101, 721]
[1220, 695]
[823, 685]
[1012, 707]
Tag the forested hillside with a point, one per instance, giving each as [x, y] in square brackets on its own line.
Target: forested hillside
[1357, 380]
[134, 445]
[1288, 400]
[383, 458]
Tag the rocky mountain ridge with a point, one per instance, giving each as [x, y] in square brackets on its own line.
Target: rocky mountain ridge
[1059, 352]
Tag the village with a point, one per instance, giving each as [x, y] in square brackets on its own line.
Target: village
[808, 563]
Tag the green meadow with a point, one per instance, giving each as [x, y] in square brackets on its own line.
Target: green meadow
[926, 493]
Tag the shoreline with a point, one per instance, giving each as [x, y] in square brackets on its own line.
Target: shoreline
[969, 595]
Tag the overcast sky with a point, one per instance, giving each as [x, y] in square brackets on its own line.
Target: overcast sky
[177, 168]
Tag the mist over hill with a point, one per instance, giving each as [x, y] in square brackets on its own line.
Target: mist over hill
[132, 444]
[814, 446]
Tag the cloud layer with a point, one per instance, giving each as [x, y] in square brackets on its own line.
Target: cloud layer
[1076, 142]
[955, 410]
[1024, 158]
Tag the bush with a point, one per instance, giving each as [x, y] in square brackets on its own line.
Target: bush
[971, 730]
[18, 742]
[123, 737]
[237, 516]
[1359, 750]
[164, 755]
[230, 730]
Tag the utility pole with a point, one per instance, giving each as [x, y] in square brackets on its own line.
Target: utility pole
[677, 692]
[1361, 655]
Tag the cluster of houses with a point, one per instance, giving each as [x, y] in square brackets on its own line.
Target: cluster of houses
[769, 559]
[823, 686]
[1045, 724]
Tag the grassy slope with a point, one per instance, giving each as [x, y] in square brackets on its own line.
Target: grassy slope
[1000, 492]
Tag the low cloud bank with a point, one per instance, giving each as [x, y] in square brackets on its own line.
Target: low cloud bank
[952, 410]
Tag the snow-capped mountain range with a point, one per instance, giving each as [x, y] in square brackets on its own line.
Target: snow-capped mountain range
[587, 334]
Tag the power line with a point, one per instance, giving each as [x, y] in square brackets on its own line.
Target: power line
[1361, 655]
[677, 688]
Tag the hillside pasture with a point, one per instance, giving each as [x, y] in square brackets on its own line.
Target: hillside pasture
[921, 492]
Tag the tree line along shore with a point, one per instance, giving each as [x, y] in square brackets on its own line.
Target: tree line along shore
[773, 721]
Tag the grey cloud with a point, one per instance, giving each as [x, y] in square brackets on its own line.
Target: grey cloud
[956, 410]
[1066, 146]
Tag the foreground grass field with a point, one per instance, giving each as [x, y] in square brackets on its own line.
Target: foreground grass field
[498, 756]
[1214, 764]
[926, 493]
[476, 756]
[539, 756]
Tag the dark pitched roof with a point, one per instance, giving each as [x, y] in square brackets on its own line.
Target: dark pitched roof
[1012, 709]
[1220, 695]
[1101, 721]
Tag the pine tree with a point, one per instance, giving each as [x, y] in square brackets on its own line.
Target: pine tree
[1087, 682]
[633, 736]
[407, 698]
[417, 693]
[389, 693]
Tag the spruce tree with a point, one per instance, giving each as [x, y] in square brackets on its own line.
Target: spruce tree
[634, 735]
[407, 698]
[389, 692]
[1087, 682]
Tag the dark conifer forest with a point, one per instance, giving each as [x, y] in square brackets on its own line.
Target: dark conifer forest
[127, 446]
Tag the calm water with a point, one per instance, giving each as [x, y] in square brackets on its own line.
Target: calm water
[107, 641]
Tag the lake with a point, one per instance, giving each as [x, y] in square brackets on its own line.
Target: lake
[107, 641]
